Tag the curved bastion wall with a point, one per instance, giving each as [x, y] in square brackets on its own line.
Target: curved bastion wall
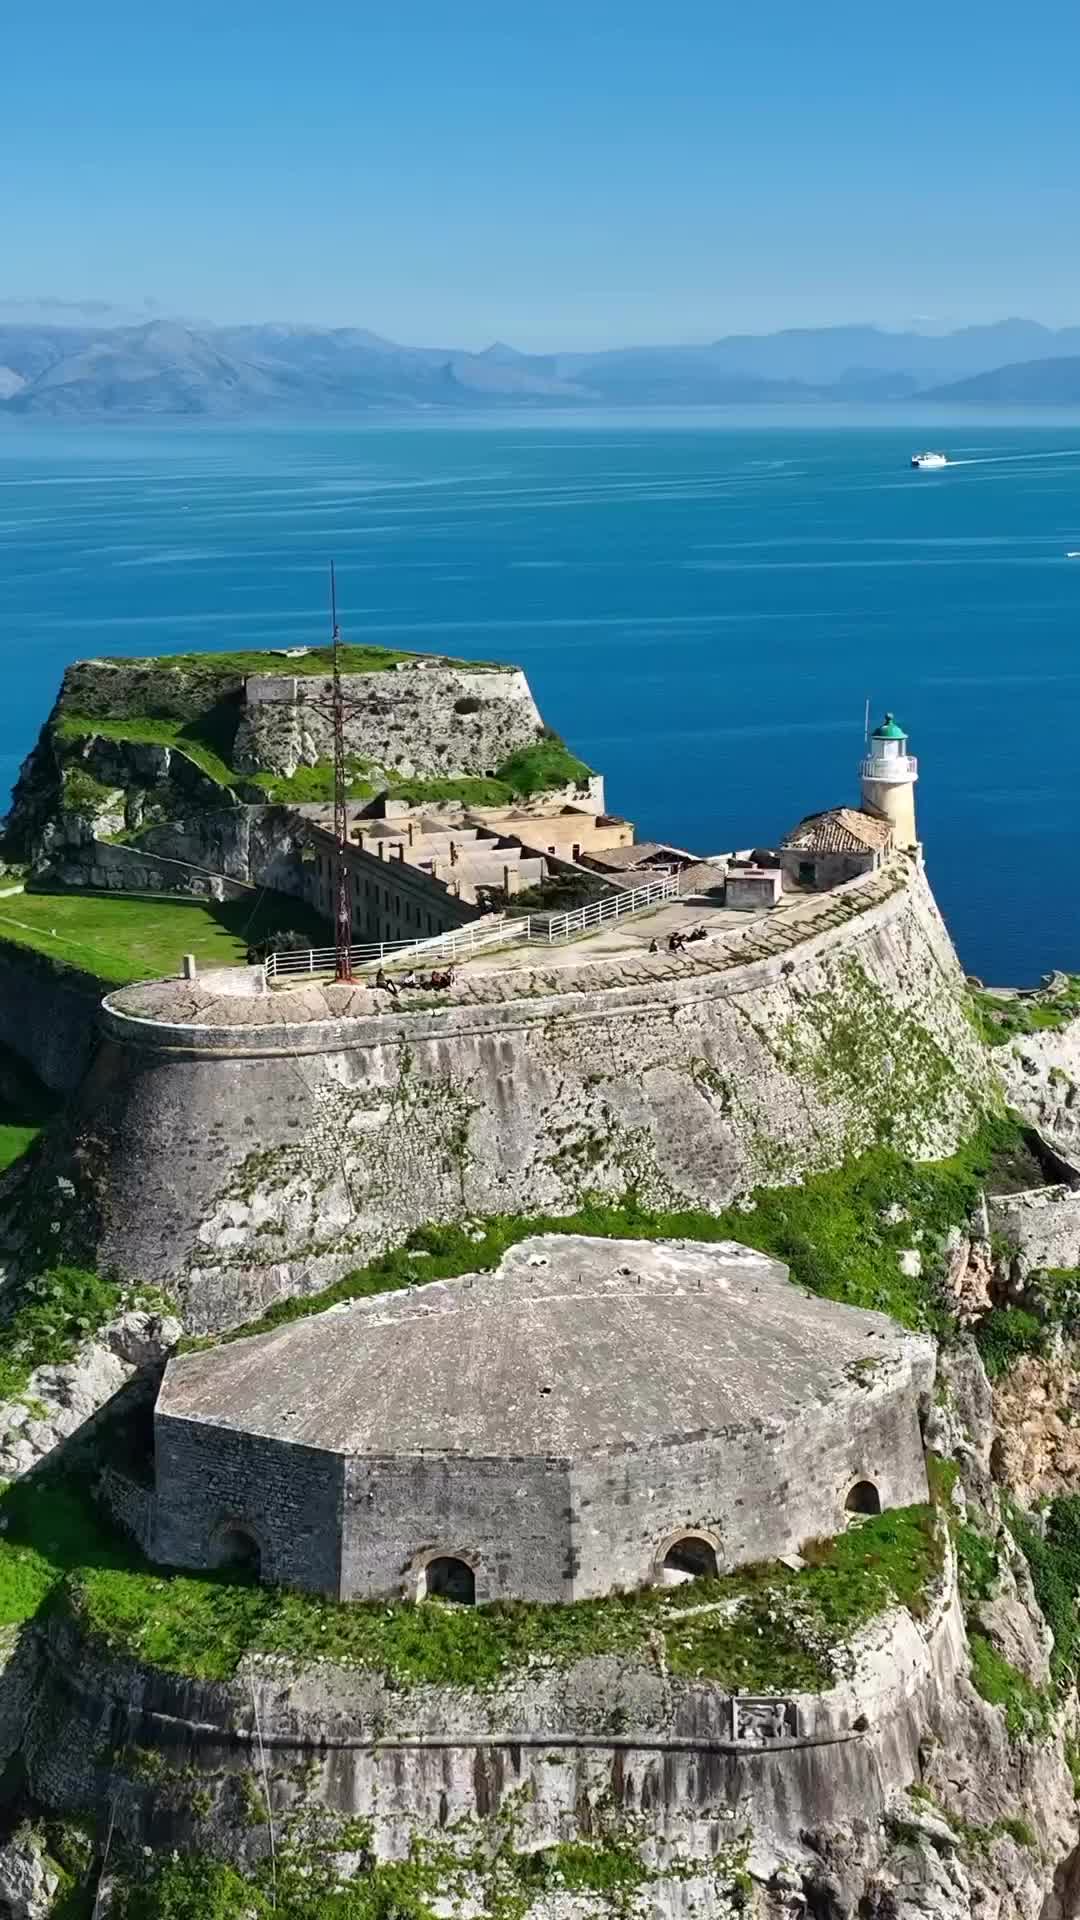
[557, 1751]
[234, 1153]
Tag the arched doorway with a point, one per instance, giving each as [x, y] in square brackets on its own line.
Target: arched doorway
[863, 1498]
[448, 1578]
[688, 1557]
[235, 1546]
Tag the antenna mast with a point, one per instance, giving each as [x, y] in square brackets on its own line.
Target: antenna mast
[342, 905]
[866, 723]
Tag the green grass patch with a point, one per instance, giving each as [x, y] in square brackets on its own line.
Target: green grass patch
[308, 785]
[50, 1529]
[80, 793]
[976, 1562]
[544, 764]
[999, 1020]
[117, 938]
[468, 790]
[1027, 1711]
[46, 1317]
[15, 1141]
[1005, 1334]
[26, 1107]
[317, 661]
[780, 1636]
[1053, 1557]
[201, 740]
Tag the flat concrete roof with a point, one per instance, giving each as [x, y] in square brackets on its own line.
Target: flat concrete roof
[573, 1345]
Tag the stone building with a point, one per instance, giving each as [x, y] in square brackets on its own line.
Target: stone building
[419, 871]
[827, 848]
[595, 1415]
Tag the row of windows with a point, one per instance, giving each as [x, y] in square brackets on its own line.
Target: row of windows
[446, 1576]
[405, 915]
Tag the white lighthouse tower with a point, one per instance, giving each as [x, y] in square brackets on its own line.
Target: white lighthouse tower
[889, 773]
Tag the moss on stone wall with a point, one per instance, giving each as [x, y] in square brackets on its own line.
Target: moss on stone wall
[478, 1870]
[854, 1044]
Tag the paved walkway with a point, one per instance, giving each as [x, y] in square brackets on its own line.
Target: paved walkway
[614, 957]
[619, 955]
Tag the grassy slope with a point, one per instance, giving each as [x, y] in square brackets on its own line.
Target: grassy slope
[204, 1625]
[999, 1020]
[122, 937]
[25, 1107]
[151, 730]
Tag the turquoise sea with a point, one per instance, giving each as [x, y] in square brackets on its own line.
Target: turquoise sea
[702, 604]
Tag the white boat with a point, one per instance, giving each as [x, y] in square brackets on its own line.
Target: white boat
[925, 460]
[1073, 554]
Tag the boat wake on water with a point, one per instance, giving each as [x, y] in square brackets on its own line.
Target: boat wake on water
[1007, 459]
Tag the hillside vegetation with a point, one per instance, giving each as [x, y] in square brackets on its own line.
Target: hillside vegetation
[117, 938]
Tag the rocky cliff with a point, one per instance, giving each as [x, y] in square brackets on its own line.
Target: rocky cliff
[131, 743]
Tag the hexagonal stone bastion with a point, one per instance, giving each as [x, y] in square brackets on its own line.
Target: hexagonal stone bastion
[594, 1415]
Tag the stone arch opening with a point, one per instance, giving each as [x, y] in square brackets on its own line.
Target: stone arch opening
[863, 1498]
[689, 1556]
[235, 1546]
[446, 1577]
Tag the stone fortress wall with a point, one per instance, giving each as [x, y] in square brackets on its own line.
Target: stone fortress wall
[550, 1748]
[459, 718]
[234, 1154]
[455, 719]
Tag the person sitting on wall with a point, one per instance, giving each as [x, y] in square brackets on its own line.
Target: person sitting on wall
[410, 979]
[653, 946]
[384, 983]
[676, 942]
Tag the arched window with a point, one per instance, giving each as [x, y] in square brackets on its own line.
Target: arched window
[690, 1557]
[447, 1578]
[234, 1545]
[863, 1498]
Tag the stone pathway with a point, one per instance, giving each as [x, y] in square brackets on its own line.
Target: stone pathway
[617, 956]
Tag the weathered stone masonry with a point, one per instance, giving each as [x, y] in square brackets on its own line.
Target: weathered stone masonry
[264, 1155]
[555, 1428]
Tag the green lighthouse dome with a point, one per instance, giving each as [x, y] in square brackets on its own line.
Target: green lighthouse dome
[888, 730]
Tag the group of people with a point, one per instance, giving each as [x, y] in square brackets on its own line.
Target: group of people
[436, 982]
[677, 941]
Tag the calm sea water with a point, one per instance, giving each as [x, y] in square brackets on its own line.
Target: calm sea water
[702, 607]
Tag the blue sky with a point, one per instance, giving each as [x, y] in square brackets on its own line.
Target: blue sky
[573, 175]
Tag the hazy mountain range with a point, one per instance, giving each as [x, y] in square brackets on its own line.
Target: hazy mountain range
[90, 369]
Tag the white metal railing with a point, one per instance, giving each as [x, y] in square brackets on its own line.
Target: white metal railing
[545, 929]
[549, 929]
[456, 944]
[902, 766]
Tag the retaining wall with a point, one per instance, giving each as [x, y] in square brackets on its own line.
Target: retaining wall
[48, 1015]
[550, 1748]
[237, 1163]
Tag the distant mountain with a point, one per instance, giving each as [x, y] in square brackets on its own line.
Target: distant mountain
[89, 371]
[1026, 383]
